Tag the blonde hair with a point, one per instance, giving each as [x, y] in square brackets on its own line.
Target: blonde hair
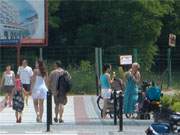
[136, 65]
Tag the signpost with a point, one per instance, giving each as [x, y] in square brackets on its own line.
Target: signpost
[135, 55]
[98, 64]
[172, 43]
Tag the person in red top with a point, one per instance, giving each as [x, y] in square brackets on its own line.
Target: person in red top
[18, 100]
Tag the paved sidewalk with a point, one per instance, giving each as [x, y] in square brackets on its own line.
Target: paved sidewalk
[81, 117]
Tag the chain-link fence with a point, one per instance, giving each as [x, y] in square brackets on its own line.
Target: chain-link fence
[71, 55]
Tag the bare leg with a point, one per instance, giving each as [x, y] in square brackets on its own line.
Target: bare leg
[56, 111]
[26, 93]
[41, 108]
[27, 96]
[61, 111]
[10, 99]
[16, 114]
[105, 108]
[20, 116]
[36, 107]
[6, 99]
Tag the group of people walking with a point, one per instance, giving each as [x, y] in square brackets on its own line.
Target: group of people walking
[131, 82]
[18, 88]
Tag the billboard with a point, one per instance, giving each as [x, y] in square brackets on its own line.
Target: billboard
[23, 22]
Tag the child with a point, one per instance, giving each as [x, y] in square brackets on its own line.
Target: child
[18, 101]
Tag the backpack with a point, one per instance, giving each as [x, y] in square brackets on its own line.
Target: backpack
[64, 83]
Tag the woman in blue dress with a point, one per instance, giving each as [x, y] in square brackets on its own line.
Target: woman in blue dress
[131, 89]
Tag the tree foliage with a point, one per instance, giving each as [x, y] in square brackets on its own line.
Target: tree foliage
[53, 8]
[132, 23]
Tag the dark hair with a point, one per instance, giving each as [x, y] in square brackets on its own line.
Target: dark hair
[58, 63]
[42, 68]
[105, 67]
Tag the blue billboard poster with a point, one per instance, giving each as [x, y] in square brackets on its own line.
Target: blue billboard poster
[22, 22]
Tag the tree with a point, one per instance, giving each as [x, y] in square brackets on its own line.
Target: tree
[126, 23]
[53, 8]
[122, 24]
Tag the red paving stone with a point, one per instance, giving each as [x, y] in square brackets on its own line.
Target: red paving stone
[79, 110]
[86, 134]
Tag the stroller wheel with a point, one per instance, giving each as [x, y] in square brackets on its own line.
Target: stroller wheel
[129, 115]
[147, 116]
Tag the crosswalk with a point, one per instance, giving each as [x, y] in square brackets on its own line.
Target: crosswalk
[81, 117]
[72, 116]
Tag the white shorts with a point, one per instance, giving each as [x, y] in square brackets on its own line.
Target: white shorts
[106, 93]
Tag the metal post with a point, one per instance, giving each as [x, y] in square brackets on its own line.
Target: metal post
[18, 55]
[50, 107]
[135, 55]
[0, 59]
[169, 69]
[100, 61]
[41, 53]
[120, 112]
[97, 71]
[49, 110]
[115, 107]
[50, 98]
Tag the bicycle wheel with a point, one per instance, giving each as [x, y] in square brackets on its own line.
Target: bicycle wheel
[128, 115]
[100, 103]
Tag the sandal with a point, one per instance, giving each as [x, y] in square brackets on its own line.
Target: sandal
[61, 121]
[37, 119]
[55, 120]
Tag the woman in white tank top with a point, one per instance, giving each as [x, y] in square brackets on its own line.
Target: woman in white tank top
[39, 89]
[7, 84]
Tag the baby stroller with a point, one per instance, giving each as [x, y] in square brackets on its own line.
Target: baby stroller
[150, 101]
[117, 86]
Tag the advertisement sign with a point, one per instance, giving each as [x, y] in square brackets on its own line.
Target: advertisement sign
[23, 22]
[125, 59]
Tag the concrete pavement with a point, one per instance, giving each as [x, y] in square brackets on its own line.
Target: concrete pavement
[81, 117]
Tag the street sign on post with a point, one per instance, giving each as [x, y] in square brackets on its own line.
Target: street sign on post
[172, 40]
[172, 43]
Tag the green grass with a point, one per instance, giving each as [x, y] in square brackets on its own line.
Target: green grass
[164, 79]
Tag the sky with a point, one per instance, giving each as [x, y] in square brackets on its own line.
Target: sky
[24, 7]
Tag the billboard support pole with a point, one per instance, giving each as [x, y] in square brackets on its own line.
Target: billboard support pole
[18, 54]
[41, 53]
